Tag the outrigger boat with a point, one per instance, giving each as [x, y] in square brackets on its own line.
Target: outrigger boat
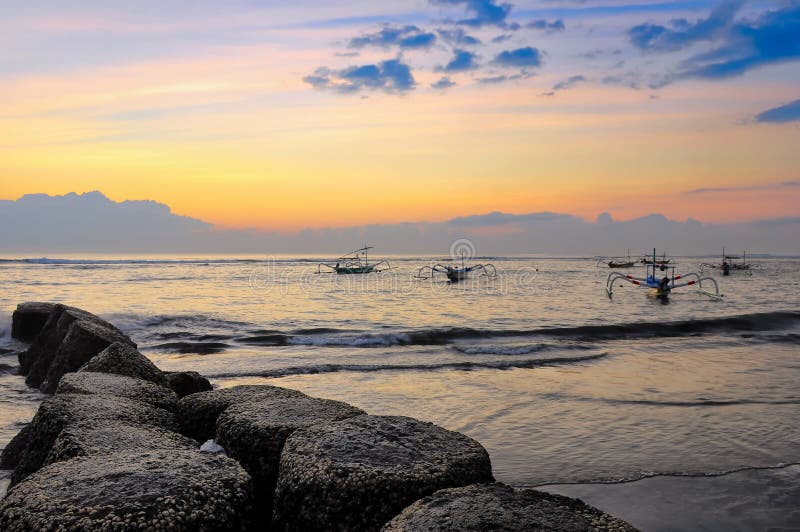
[355, 262]
[617, 262]
[727, 265]
[455, 274]
[658, 262]
[661, 286]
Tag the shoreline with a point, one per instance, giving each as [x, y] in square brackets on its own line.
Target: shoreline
[117, 421]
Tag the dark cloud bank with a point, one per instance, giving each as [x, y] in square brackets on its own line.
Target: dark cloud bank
[90, 222]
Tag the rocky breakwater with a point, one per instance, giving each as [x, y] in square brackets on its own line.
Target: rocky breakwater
[118, 447]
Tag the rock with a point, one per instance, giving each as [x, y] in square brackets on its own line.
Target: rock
[499, 507]
[36, 361]
[156, 490]
[84, 439]
[118, 386]
[186, 383]
[359, 473]
[28, 320]
[60, 411]
[254, 433]
[198, 413]
[12, 452]
[121, 358]
[84, 340]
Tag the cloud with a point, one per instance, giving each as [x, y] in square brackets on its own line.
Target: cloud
[751, 188]
[405, 38]
[462, 61]
[458, 37]
[654, 37]
[443, 83]
[569, 82]
[91, 223]
[739, 45]
[484, 12]
[392, 76]
[597, 53]
[779, 115]
[519, 58]
[502, 38]
[549, 27]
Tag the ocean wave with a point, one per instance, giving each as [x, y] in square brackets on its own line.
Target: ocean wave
[369, 368]
[195, 348]
[746, 326]
[644, 475]
[700, 402]
[513, 350]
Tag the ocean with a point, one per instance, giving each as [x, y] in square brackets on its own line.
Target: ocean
[674, 416]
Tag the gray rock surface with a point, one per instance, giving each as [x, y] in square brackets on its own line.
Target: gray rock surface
[86, 439]
[37, 360]
[499, 507]
[29, 319]
[359, 473]
[254, 433]
[198, 413]
[84, 340]
[155, 490]
[121, 358]
[60, 411]
[186, 383]
[10, 456]
[119, 386]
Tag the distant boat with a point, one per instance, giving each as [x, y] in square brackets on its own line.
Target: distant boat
[727, 265]
[455, 274]
[618, 262]
[654, 260]
[354, 263]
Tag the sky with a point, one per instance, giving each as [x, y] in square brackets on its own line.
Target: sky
[279, 116]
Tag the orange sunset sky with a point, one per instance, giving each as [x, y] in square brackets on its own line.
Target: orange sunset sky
[265, 115]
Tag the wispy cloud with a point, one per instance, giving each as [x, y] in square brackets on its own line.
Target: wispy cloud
[484, 12]
[443, 83]
[545, 25]
[739, 45]
[527, 57]
[462, 61]
[779, 115]
[392, 76]
[569, 82]
[405, 38]
[750, 188]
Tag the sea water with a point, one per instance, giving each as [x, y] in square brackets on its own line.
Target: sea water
[675, 415]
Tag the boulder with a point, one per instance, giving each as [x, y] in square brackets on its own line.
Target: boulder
[84, 439]
[499, 507]
[198, 413]
[121, 358]
[29, 319]
[84, 340]
[36, 361]
[186, 383]
[359, 473]
[118, 386]
[158, 490]
[10, 456]
[60, 411]
[254, 433]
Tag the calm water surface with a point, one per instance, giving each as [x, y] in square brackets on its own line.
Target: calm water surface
[562, 385]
